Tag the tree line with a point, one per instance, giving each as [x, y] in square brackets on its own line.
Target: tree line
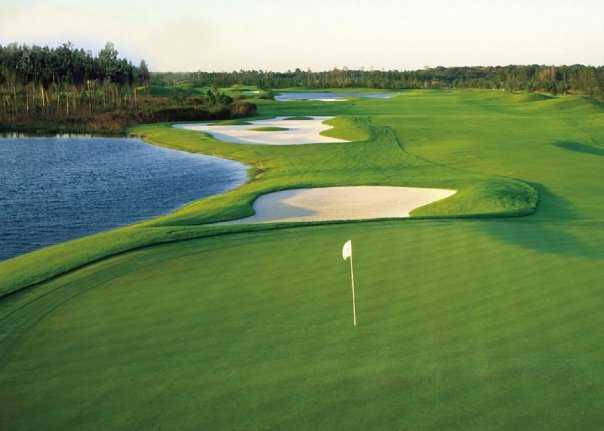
[68, 89]
[41, 80]
[578, 79]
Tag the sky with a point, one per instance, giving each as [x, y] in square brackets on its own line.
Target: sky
[225, 35]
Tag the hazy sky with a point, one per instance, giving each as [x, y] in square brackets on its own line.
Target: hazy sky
[317, 34]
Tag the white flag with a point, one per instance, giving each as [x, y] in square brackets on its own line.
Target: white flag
[347, 250]
[347, 253]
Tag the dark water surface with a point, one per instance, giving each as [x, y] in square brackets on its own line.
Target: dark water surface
[55, 189]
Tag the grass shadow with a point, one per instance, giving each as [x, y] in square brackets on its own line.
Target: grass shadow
[551, 230]
[581, 148]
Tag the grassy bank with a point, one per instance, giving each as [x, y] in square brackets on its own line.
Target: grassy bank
[463, 323]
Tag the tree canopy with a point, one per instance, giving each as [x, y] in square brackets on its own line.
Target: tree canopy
[554, 79]
[69, 89]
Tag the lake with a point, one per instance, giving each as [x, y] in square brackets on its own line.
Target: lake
[56, 189]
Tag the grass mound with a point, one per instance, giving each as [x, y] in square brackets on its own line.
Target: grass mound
[492, 198]
[300, 117]
[269, 129]
[347, 128]
[531, 97]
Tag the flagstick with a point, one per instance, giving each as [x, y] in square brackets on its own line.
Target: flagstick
[354, 306]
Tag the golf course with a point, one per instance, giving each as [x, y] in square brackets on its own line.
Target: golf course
[479, 305]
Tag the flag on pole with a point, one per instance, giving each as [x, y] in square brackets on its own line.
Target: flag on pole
[347, 250]
[347, 254]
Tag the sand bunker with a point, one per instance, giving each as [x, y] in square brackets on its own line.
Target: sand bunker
[297, 132]
[342, 203]
[329, 100]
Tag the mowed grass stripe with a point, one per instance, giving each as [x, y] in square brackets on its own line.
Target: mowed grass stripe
[437, 325]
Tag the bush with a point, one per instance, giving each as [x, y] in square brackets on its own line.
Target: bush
[267, 95]
[240, 108]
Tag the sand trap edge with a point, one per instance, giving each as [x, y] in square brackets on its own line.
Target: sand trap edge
[342, 203]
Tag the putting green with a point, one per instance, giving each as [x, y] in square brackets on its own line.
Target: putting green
[471, 323]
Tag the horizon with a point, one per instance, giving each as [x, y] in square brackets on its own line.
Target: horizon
[308, 70]
[383, 35]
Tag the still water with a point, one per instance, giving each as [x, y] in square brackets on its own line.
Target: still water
[55, 189]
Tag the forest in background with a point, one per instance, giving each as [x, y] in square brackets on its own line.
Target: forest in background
[65, 89]
[576, 79]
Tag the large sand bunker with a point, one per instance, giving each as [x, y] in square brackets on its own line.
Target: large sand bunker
[286, 131]
[342, 203]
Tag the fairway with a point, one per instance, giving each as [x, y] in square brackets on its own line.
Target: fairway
[480, 312]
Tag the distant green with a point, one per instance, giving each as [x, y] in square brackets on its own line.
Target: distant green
[479, 322]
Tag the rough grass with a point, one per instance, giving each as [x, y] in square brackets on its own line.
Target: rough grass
[472, 324]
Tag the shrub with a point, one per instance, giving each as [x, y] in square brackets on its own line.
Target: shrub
[240, 108]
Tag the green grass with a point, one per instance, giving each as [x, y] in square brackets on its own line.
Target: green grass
[299, 117]
[230, 123]
[348, 129]
[269, 129]
[188, 89]
[470, 323]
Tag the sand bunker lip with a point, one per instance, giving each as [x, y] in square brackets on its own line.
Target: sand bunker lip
[298, 132]
[341, 203]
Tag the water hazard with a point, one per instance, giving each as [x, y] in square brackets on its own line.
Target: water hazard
[56, 189]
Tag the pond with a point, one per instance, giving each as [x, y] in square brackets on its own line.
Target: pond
[60, 188]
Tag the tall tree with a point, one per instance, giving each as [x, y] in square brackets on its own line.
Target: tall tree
[144, 76]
